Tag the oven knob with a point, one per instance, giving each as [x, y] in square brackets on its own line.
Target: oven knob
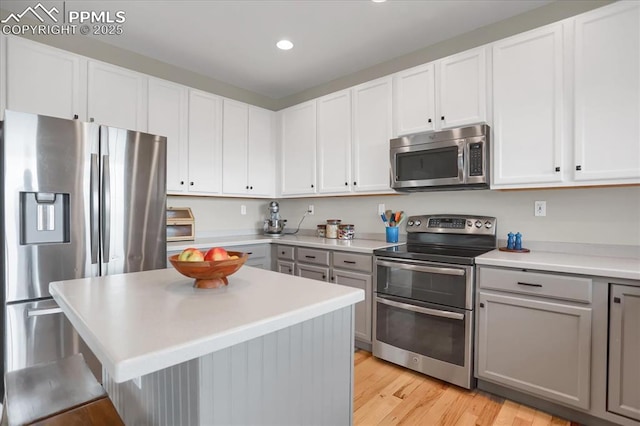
[417, 223]
[488, 224]
[410, 223]
[478, 224]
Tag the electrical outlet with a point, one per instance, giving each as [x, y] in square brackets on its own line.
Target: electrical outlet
[540, 208]
[310, 210]
[137, 381]
[381, 209]
[243, 209]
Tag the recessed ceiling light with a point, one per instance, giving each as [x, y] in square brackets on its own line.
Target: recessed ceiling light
[284, 44]
[378, 1]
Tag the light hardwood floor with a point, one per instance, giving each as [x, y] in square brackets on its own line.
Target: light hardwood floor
[386, 394]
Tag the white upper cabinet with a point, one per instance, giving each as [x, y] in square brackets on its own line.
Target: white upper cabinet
[461, 93]
[262, 152]
[235, 133]
[371, 134]
[450, 92]
[205, 148]
[298, 149]
[248, 150]
[44, 80]
[415, 100]
[607, 95]
[528, 96]
[334, 143]
[168, 116]
[117, 97]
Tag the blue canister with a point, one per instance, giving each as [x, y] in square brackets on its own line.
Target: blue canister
[510, 241]
[518, 244]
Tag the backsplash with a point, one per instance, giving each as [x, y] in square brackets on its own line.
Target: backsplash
[588, 215]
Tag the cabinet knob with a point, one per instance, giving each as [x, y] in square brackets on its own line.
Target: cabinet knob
[442, 118]
[251, 187]
[181, 182]
[616, 300]
[346, 184]
[324, 276]
[312, 185]
[482, 305]
[333, 278]
[247, 187]
[557, 169]
[355, 183]
[191, 183]
[289, 270]
[429, 121]
[75, 116]
[578, 168]
[91, 120]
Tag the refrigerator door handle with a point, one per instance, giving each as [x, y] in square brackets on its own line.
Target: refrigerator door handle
[44, 311]
[106, 208]
[94, 197]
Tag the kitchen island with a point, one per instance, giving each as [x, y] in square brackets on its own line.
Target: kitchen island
[268, 349]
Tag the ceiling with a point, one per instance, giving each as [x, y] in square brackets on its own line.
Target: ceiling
[234, 41]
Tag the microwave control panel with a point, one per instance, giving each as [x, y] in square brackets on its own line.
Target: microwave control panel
[475, 159]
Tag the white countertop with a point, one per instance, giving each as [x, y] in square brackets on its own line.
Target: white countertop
[355, 245]
[601, 266]
[143, 322]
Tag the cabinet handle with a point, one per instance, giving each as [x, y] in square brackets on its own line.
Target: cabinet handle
[324, 277]
[333, 278]
[355, 183]
[289, 270]
[429, 121]
[282, 252]
[530, 285]
[181, 182]
[578, 168]
[249, 252]
[247, 187]
[482, 305]
[312, 185]
[91, 120]
[616, 300]
[75, 116]
[191, 183]
[346, 184]
[251, 187]
[557, 169]
[310, 257]
[350, 262]
[442, 118]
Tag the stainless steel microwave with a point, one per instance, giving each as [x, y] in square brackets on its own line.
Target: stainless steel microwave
[446, 160]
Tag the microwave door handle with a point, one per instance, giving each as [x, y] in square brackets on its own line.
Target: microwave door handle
[421, 310]
[463, 152]
[419, 268]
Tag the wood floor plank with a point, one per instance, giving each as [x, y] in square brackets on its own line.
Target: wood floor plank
[389, 395]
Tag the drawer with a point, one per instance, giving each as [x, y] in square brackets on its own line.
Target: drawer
[254, 250]
[536, 283]
[317, 257]
[285, 252]
[356, 262]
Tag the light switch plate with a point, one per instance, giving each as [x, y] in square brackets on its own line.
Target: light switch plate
[540, 208]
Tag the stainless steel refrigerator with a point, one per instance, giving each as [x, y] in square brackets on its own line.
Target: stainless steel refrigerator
[78, 200]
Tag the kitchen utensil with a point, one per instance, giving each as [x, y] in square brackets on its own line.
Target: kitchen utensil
[210, 274]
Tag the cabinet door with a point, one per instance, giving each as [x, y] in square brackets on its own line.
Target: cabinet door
[461, 92]
[168, 116]
[43, 80]
[542, 348]
[205, 151]
[298, 150]
[624, 351]
[285, 267]
[527, 105]
[414, 100]
[235, 126]
[262, 152]
[363, 308]
[314, 272]
[607, 94]
[334, 142]
[371, 135]
[117, 97]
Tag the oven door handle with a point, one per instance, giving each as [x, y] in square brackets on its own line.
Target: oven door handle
[421, 310]
[420, 268]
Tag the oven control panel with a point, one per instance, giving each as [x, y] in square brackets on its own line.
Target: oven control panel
[452, 224]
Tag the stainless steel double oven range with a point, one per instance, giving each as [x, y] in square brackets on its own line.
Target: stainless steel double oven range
[424, 295]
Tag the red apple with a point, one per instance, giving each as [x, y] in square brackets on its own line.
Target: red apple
[191, 255]
[216, 253]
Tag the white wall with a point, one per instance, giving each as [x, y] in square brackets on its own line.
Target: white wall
[588, 215]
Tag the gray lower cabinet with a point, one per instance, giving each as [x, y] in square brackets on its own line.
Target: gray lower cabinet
[259, 254]
[537, 346]
[624, 351]
[363, 309]
[320, 273]
[285, 267]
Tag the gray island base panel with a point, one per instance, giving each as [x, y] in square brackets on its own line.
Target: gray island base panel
[301, 374]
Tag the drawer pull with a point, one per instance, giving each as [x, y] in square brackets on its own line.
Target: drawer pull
[530, 285]
[249, 252]
[350, 262]
[310, 257]
[616, 300]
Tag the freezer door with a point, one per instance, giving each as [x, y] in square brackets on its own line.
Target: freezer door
[46, 191]
[38, 332]
[133, 201]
